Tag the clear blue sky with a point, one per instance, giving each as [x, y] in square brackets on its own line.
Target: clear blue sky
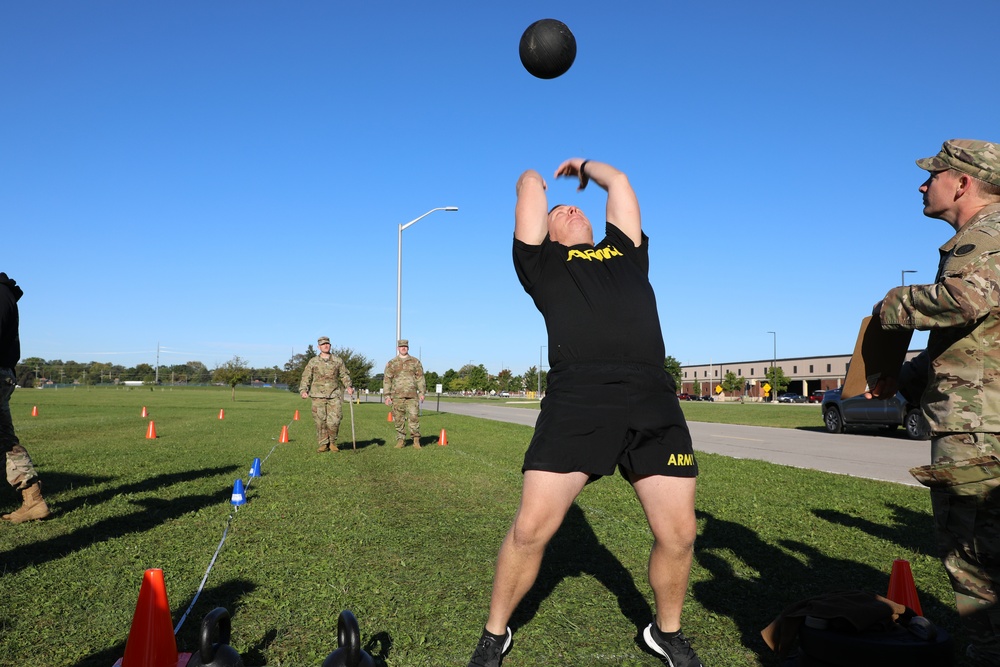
[226, 178]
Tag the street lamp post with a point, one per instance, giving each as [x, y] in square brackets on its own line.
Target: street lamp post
[902, 276]
[399, 265]
[774, 363]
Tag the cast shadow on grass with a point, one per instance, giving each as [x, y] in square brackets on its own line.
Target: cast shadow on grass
[225, 595]
[574, 551]
[155, 511]
[775, 576]
[362, 444]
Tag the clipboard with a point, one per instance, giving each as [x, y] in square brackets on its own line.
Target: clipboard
[877, 352]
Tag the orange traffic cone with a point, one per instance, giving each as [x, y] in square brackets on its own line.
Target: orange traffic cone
[151, 640]
[144, 413]
[442, 439]
[389, 419]
[151, 431]
[901, 586]
[34, 410]
[296, 417]
[284, 434]
[222, 414]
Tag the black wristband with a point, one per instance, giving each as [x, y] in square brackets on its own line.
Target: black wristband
[584, 179]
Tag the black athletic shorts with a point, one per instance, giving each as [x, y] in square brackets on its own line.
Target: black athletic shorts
[597, 415]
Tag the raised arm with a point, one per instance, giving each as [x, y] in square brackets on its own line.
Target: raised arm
[623, 207]
[531, 211]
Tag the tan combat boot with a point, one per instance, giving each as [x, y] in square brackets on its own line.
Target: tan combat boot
[400, 444]
[34, 506]
[334, 448]
[416, 441]
[323, 448]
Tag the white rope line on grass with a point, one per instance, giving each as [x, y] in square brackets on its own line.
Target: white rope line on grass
[218, 549]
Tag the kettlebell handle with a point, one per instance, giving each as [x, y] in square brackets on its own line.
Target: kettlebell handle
[349, 637]
[217, 619]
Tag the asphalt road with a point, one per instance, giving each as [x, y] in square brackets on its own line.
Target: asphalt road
[882, 457]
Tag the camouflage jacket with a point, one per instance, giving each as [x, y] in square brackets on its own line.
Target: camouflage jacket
[958, 376]
[325, 378]
[404, 378]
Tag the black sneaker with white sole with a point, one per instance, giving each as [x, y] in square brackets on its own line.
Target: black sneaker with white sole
[675, 651]
[491, 649]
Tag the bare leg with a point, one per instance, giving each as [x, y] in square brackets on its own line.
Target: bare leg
[545, 499]
[669, 506]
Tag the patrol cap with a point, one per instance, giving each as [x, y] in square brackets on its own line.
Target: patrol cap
[979, 159]
[402, 342]
[324, 340]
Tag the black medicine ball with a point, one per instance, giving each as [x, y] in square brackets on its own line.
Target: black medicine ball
[547, 49]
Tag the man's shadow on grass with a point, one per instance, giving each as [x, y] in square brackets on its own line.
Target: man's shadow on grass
[775, 576]
[154, 512]
[361, 444]
[225, 595]
[574, 551]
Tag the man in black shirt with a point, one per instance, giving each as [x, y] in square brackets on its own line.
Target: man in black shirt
[609, 402]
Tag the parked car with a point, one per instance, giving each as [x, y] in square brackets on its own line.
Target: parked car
[792, 398]
[839, 415]
[707, 397]
[684, 397]
[817, 396]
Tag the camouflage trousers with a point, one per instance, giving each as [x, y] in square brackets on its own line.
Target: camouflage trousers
[327, 413]
[20, 469]
[406, 410]
[967, 517]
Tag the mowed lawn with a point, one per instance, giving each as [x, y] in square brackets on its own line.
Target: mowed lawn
[405, 539]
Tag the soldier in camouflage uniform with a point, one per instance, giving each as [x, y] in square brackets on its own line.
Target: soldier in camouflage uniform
[404, 390]
[957, 379]
[323, 380]
[20, 470]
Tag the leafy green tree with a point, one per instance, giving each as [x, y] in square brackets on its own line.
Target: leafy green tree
[478, 378]
[696, 388]
[531, 379]
[732, 383]
[375, 383]
[778, 381]
[431, 379]
[233, 372]
[449, 376]
[673, 368]
[294, 367]
[358, 366]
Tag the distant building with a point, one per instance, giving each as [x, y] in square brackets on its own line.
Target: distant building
[805, 374]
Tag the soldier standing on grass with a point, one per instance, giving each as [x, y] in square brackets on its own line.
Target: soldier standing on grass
[323, 380]
[956, 379]
[404, 391]
[20, 470]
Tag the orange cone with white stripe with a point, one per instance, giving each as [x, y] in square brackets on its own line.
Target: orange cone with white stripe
[284, 434]
[442, 439]
[151, 431]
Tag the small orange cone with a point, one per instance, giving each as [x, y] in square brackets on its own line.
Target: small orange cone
[151, 431]
[901, 586]
[296, 417]
[284, 434]
[151, 640]
[389, 419]
[222, 414]
[442, 439]
[144, 413]
[34, 410]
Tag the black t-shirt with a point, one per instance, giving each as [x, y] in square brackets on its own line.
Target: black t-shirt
[597, 302]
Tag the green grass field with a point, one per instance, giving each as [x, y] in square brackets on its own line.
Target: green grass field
[405, 539]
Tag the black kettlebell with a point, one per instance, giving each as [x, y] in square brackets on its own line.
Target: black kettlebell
[221, 654]
[349, 654]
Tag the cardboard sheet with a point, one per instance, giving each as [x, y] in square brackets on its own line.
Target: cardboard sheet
[877, 352]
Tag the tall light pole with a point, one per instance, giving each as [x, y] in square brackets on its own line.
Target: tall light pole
[902, 276]
[399, 265]
[774, 363]
[540, 371]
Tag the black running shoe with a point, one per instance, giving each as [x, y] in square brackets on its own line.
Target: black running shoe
[491, 649]
[675, 652]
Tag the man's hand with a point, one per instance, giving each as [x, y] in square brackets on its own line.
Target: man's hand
[421, 397]
[885, 387]
[574, 167]
[350, 391]
[304, 394]
[388, 401]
